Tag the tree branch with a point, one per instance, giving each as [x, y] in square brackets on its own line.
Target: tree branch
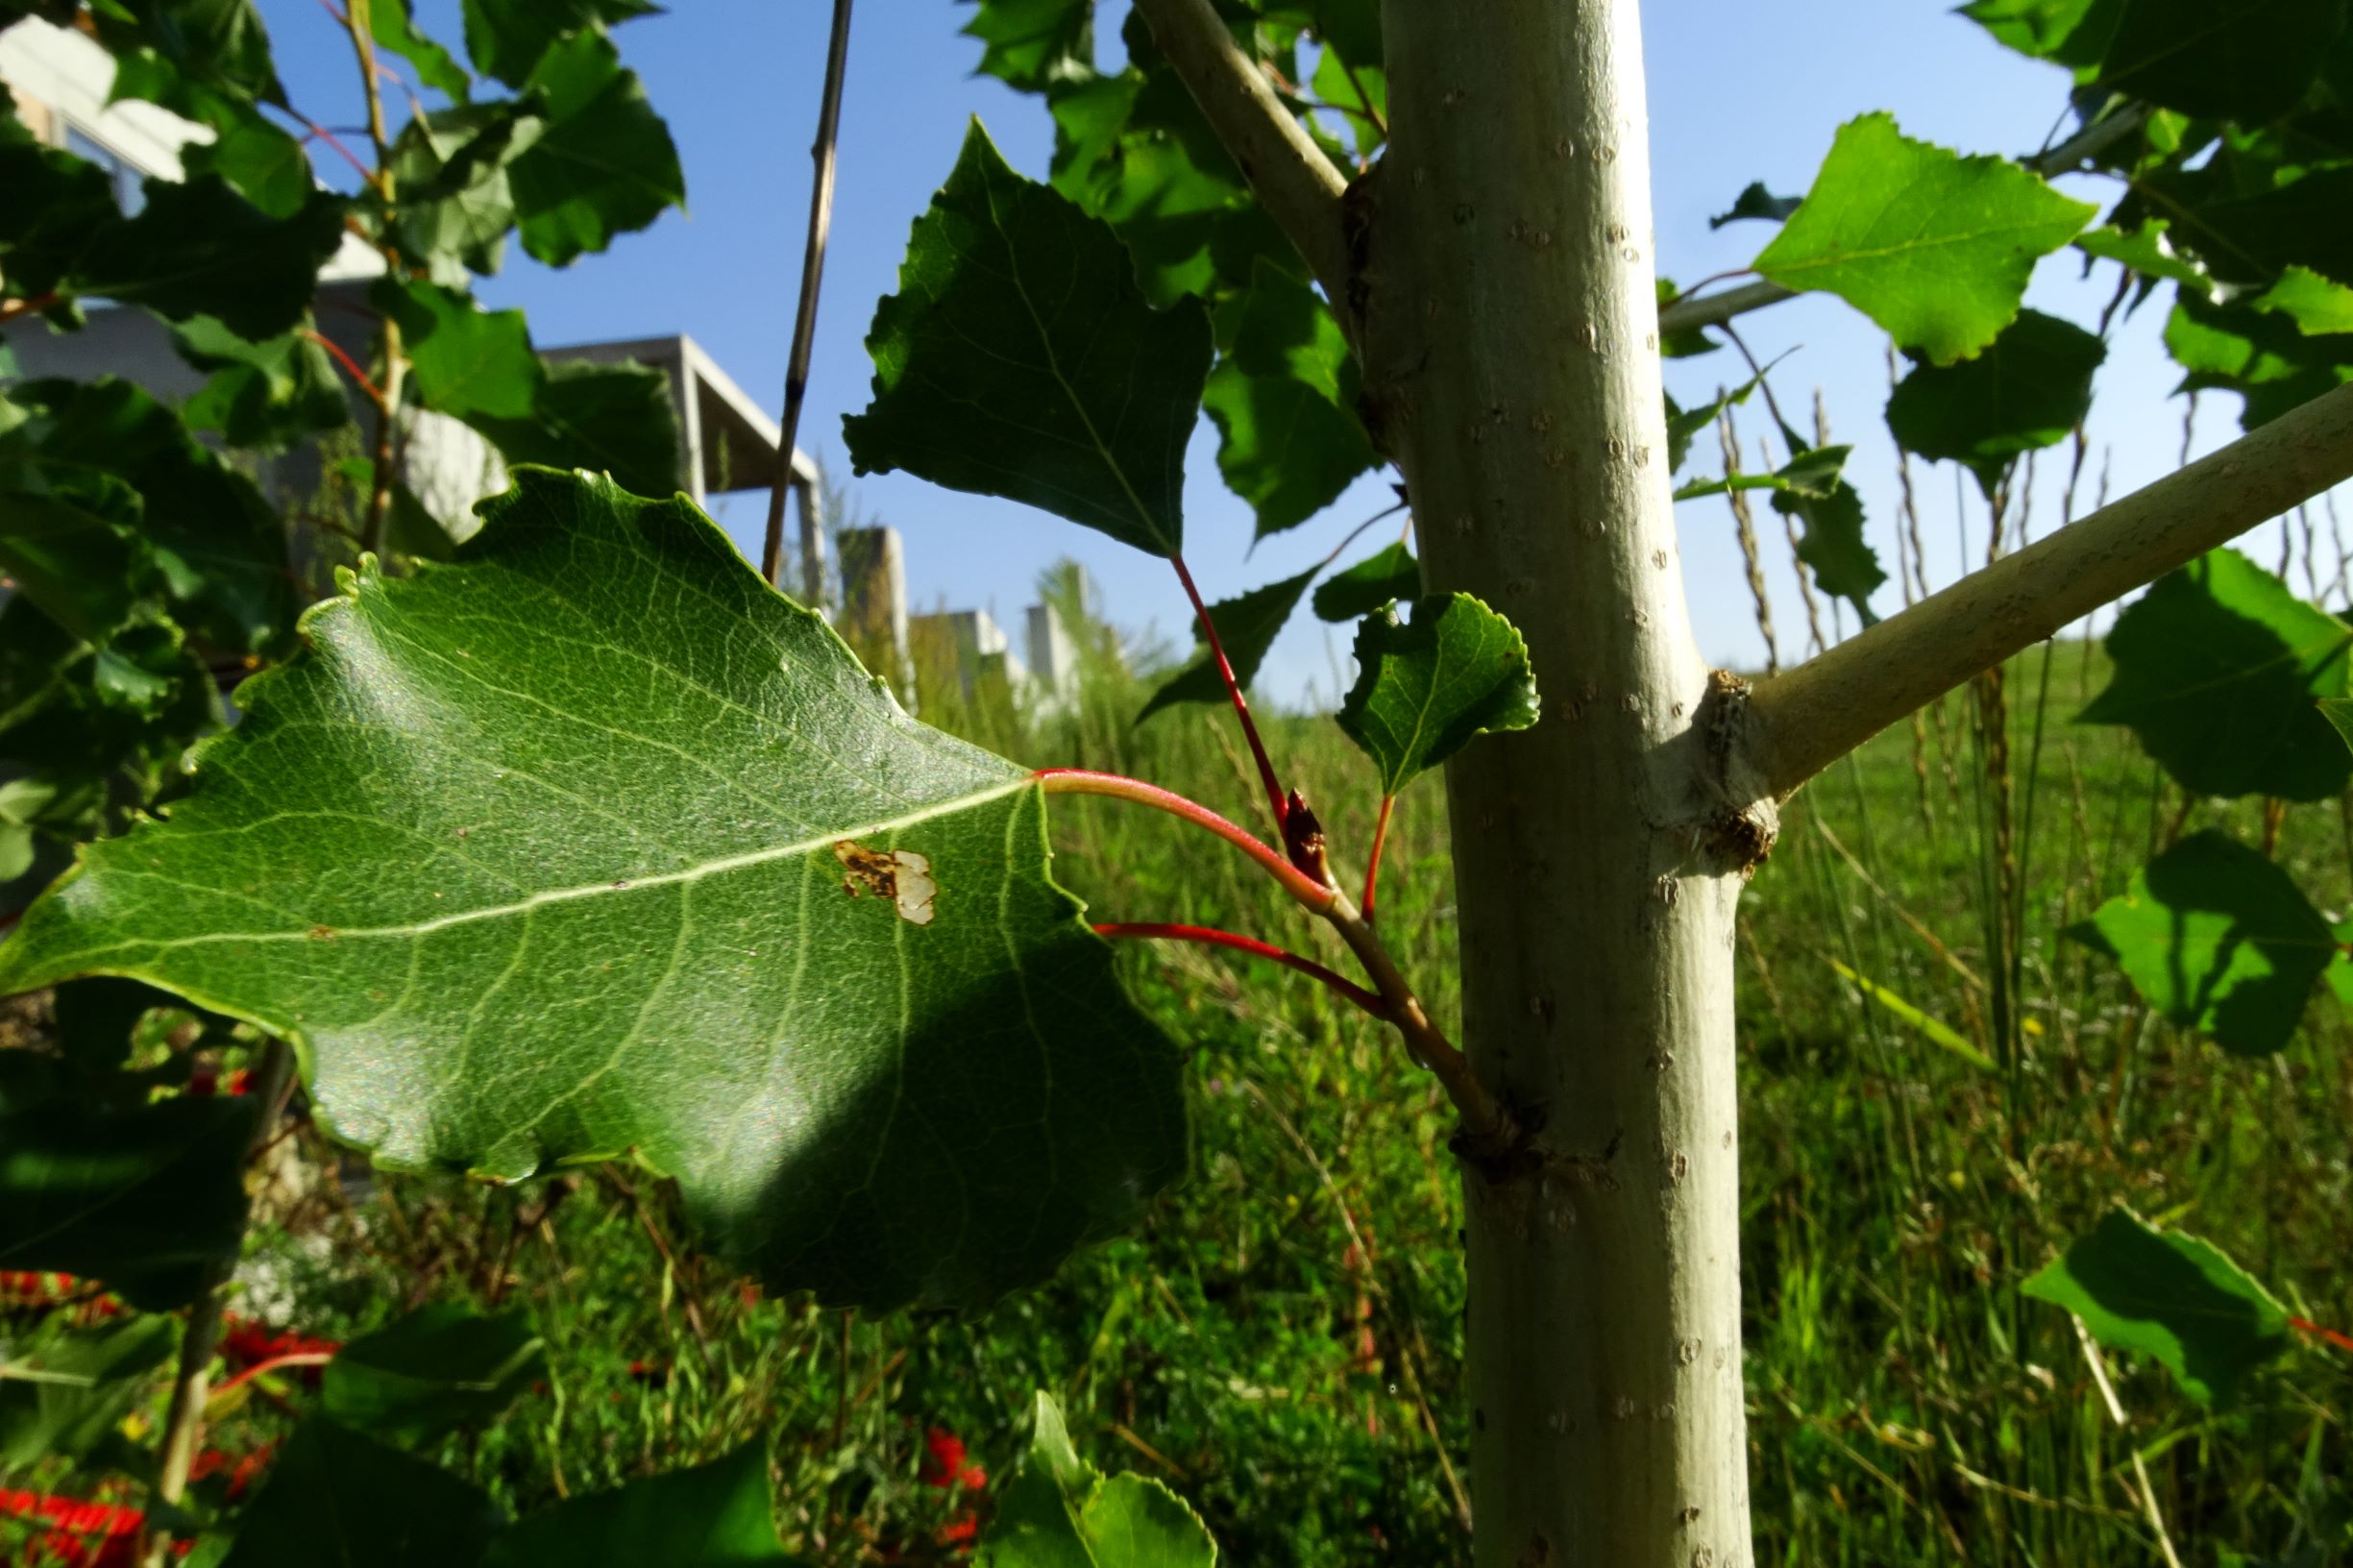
[1292, 179]
[1802, 722]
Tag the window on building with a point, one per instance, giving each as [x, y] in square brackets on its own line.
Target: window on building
[129, 193]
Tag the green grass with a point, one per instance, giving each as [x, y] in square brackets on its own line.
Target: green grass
[1282, 1341]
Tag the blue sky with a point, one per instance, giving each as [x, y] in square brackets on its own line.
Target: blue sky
[1737, 93]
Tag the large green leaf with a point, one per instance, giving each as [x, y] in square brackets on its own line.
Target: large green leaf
[2237, 59]
[437, 1369]
[334, 1496]
[713, 1516]
[2216, 668]
[1284, 398]
[148, 1198]
[266, 395]
[1035, 44]
[58, 206]
[65, 1394]
[1019, 359]
[2028, 390]
[508, 38]
[2170, 1296]
[1059, 1511]
[2217, 937]
[456, 202]
[467, 361]
[1247, 626]
[2249, 236]
[603, 166]
[624, 852]
[1934, 247]
[1426, 687]
[615, 419]
[199, 248]
[1382, 577]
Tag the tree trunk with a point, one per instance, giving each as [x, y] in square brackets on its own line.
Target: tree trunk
[1504, 282]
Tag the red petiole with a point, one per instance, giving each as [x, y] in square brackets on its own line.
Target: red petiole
[1296, 882]
[350, 366]
[1372, 868]
[1210, 937]
[1233, 690]
[2303, 1324]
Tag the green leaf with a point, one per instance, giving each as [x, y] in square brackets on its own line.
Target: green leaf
[1812, 487]
[2219, 939]
[2250, 236]
[1683, 345]
[1246, 627]
[2318, 307]
[1934, 247]
[640, 860]
[336, 1496]
[2339, 712]
[58, 207]
[69, 541]
[1361, 91]
[467, 361]
[1684, 424]
[149, 1198]
[1019, 359]
[2028, 390]
[216, 43]
[221, 549]
[265, 164]
[1284, 398]
[1032, 46]
[441, 1367]
[2217, 667]
[200, 249]
[392, 27]
[2262, 355]
[1060, 1513]
[1756, 203]
[2234, 60]
[2042, 29]
[2147, 250]
[1382, 577]
[711, 1516]
[508, 38]
[269, 394]
[66, 1395]
[614, 419]
[2169, 1296]
[456, 202]
[603, 166]
[1426, 687]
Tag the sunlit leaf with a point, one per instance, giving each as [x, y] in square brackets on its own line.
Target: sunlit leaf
[1061, 1512]
[2171, 1297]
[1283, 399]
[394, 28]
[2216, 670]
[1033, 44]
[1019, 359]
[631, 857]
[1428, 686]
[466, 362]
[1934, 247]
[2220, 939]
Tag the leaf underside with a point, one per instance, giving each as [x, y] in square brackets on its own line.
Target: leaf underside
[591, 845]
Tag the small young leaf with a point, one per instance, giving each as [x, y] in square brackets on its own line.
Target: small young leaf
[2217, 667]
[712, 1515]
[1427, 686]
[1684, 424]
[1283, 399]
[66, 1395]
[336, 1496]
[1934, 247]
[1019, 359]
[1247, 626]
[1812, 487]
[643, 862]
[2026, 391]
[2217, 937]
[2147, 250]
[2318, 307]
[1756, 203]
[1059, 1511]
[267, 166]
[603, 164]
[394, 29]
[439, 1368]
[2170, 1296]
[1382, 577]
[2042, 28]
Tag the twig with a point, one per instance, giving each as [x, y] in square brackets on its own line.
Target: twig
[1804, 720]
[185, 1420]
[812, 275]
[1291, 175]
[1211, 937]
[1233, 690]
[380, 498]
